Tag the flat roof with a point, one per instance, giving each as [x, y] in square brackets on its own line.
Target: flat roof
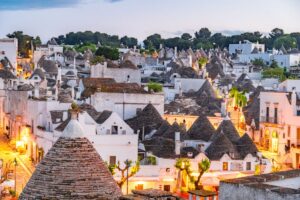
[284, 182]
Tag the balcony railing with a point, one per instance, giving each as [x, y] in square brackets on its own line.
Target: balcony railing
[269, 120]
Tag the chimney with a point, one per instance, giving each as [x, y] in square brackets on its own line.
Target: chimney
[74, 115]
[223, 108]
[175, 52]
[190, 60]
[36, 90]
[177, 143]
[160, 46]
[294, 101]
[134, 48]
[73, 93]
[58, 75]
[65, 115]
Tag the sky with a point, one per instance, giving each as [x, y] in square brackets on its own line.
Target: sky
[141, 18]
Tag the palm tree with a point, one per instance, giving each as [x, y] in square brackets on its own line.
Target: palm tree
[203, 166]
[240, 100]
[182, 164]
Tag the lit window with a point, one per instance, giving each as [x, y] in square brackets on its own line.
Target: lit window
[139, 187]
[225, 166]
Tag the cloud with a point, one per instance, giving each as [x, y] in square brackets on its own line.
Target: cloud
[113, 1]
[36, 4]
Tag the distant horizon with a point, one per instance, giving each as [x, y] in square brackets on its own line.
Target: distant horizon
[164, 35]
[141, 18]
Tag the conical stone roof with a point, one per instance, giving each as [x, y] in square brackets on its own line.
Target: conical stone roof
[227, 128]
[72, 169]
[246, 146]
[170, 132]
[201, 129]
[220, 146]
[149, 119]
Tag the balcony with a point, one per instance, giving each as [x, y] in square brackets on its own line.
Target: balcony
[270, 120]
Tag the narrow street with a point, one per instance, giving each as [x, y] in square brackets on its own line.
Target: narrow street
[8, 155]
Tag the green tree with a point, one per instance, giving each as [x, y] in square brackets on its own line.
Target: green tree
[219, 40]
[274, 64]
[276, 32]
[128, 165]
[153, 41]
[97, 59]
[297, 37]
[276, 72]
[258, 62]
[184, 166]
[155, 87]
[202, 61]
[108, 53]
[85, 46]
[239, 98]
[25, 42]
[287, 41]
[203, 33]
[203, 167]
[186, 36]
[129, 42]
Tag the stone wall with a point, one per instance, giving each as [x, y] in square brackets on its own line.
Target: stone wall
[237, 192]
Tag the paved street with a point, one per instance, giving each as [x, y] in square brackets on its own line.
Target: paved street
[8, 155]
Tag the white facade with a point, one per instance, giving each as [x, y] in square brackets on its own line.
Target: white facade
[287, 60]
[246, 47]
[121, 75]
[121, 145]
[47, 51]
[9, 49]
[289, 85]
[279, 122]
[248, 58]
[182, 85]
[126, 104]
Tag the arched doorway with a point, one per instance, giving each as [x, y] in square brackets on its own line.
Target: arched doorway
[274, 146]
[266, 139]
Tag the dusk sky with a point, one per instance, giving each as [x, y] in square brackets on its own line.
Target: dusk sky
[140, 18]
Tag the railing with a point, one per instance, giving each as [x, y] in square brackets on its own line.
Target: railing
[269, 119]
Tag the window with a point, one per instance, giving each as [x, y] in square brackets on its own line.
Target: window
[112, 160]
[289, 131]
[225, 166]
[114, 130]
[248, 166]
[267, 114]
[275, 115]
[139, 187]
[298, 112]
[167, 188]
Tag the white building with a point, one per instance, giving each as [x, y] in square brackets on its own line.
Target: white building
[126, 99]
[126, 72]
[287, 60]
[9, 49]
[248, 58]
[51, 49]
[246, 47]
[182, 85]
[280, 122]
[113, 139]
